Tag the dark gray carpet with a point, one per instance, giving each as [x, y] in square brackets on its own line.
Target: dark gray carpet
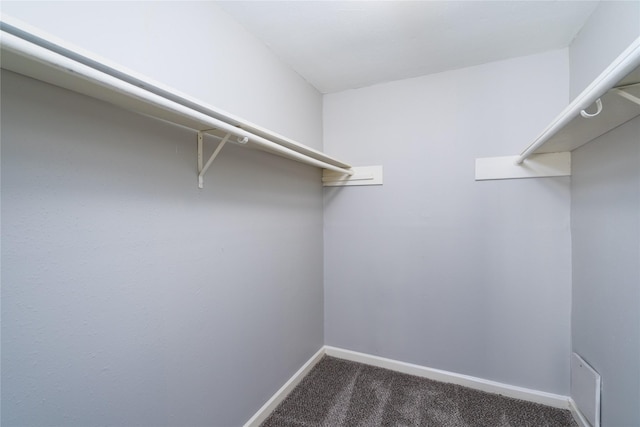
[341, 393]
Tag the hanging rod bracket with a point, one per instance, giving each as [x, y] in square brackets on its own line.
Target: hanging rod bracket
[586, 115]
[203, 169]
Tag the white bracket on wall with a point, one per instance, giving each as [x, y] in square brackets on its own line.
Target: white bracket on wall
[620, 90]
[535, 166]
[363, 175]
[586, 389]
[203, 169]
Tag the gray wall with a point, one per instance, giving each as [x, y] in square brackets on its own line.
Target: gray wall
[611, 28]
[432, 267]
[130, 297]
[605, 223]
[605, 229]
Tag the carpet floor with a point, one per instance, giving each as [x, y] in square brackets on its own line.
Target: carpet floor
[341, 393]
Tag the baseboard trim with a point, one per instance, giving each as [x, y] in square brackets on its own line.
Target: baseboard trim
[284, 391]
[577, 415]
[544, 398]
[549, 399]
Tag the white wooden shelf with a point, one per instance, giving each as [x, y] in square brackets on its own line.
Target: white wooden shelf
[615, 88]
[29, 51]
[616, 110]
[612, 99]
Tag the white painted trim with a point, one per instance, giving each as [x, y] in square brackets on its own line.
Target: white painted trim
[577, 415]
[284, 391]
[549, 399]
[535, 166]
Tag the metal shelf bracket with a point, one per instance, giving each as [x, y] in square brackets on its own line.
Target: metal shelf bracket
[203, 169]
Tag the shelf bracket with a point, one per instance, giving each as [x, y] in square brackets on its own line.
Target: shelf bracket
[203, 169]
[362, 175]
[627, 95]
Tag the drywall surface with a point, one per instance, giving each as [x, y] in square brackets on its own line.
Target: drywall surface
[130, 297]
[432, 267]
[612, 27]
[605, 224]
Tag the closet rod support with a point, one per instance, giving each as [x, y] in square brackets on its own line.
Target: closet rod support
[586, 115]
[203, 169]
[626, 95]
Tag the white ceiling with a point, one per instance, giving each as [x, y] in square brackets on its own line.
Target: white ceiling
[339, 45]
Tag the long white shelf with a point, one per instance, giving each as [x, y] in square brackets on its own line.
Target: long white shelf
[28, 51]
[571, 129]
[612, 99]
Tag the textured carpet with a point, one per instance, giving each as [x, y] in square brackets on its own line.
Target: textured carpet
[341, 393]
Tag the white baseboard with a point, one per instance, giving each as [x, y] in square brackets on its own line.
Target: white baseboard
[284, 391]
[549, 399]
[577, 415]
[544, 398]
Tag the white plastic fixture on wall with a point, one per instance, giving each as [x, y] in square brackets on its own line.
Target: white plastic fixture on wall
[31, 52]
